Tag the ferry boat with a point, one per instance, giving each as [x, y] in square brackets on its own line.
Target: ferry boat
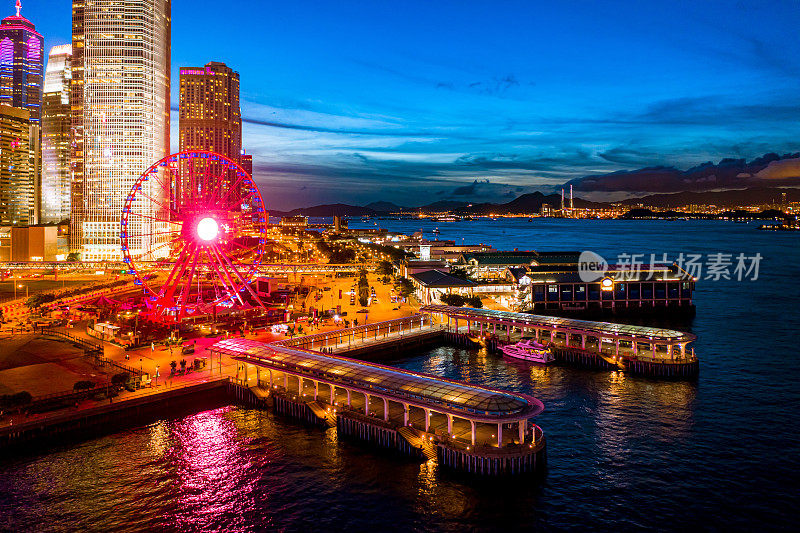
[529, 350]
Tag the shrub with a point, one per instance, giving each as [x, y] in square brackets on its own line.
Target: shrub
[455, 300]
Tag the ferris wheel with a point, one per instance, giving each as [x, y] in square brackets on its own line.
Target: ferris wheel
[193, 234]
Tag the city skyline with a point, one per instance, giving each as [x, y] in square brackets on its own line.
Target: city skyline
[348, 108]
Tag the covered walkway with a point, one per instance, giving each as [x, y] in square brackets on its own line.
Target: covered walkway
[618, 340]
[453, 411]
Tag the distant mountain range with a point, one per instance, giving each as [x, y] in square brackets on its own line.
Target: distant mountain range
[532, 203]
[731, 198]
[769, 170]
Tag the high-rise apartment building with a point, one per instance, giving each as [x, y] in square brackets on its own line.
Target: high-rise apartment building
[21, 65]
[210, 118]
[55, 190]
[119, 100]
[17, 167]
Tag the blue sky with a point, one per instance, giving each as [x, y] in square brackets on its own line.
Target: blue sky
[414, 102]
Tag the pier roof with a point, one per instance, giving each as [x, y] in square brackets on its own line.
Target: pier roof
[610, 329]
[392, 382]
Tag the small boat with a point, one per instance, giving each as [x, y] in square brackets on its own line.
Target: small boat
[529, 350]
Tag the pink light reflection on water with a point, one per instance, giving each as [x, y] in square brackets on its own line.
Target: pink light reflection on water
[211, 472]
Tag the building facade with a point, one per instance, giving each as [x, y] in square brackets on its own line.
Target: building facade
[55, 189]
[21, 65]
[210, 118]
[120, 105]
[18, 145]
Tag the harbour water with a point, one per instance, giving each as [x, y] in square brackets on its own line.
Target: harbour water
[623, 452]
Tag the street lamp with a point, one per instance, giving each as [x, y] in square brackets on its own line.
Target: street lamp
[20, 285]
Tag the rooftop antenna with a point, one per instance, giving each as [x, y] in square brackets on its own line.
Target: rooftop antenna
[562, 199]
[19, 6]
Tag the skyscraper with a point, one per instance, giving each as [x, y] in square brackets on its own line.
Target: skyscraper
[55, 193]
[17, 160]
[119, 100]
[247, 163]
[210, 118]
[21, 65]
[21, 74]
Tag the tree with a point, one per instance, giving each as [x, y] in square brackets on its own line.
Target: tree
[455, 300]
[171, 342]
[473, 301]
[83, 385]
[120, 379]
[183, 365]
[459, 272]
[173, 365]
[405, 286]
[73, 257]
[13, 401]
[385, 268]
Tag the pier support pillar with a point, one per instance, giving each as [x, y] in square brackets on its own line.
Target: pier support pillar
[616, 347]
[385, 409]
[537, 331]
[500, 435]
[405, 414]
[474, 431]
[450, 425]
[653, 346]
[583, 342]
[669, 351]
[683, 351]
[333, 395]
[427, 419]
[566, 336]
[348, 398]
[286, 382]
[521, 432]
[600, 344]
[271, 383]
[635, 347]
[366, 404]
[316, 390]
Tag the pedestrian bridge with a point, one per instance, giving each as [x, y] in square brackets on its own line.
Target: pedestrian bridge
[451, 412]
[616, 340]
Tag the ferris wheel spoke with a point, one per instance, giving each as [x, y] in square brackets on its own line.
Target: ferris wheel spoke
[221, 280]
[241, 279]
[151, 218]
[220, 260]
[171, 211]
[150, 252]
[169, 287]
[187, 287]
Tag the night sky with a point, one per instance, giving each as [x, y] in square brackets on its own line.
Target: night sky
[413, 102]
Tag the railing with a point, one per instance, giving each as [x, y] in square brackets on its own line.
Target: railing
[390, 326]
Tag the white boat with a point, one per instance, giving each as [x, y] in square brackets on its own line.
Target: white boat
[529, 350]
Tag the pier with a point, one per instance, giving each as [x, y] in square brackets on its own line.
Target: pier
[637, 349]
[468, 427]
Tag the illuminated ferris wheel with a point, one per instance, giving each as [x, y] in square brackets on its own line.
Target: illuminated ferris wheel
[197, 221]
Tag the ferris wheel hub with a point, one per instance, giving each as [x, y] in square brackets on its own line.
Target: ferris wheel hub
[207, 229]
